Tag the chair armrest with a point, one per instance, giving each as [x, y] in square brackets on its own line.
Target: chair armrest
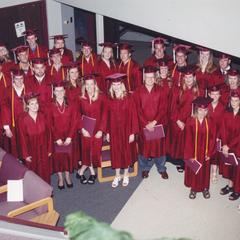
[32, 206]
[106, 147]
[3, 189]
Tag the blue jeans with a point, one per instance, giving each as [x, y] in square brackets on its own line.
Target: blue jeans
[147, 163]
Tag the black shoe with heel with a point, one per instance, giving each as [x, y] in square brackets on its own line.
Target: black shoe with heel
[69, 185]
[91, 179]
[83, 179]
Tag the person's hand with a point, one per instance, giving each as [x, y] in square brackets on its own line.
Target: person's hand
[85, 133]
[131, 138]
[8, 133]
[29, 159]
[225, 150]
[67, 141]
[49, 154]
[150, 126]
[180, 124]
[59, 142]
[207, 158]
[98, 134]
[108, 137]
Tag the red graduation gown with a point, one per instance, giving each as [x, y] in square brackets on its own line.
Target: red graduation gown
[40, 52]
[59, 74]
[203, 79]
[73, 94]
[88, 67]
[153, 61]
[103, 70]
[13, 108]
[150, 106]
[229, 133]
[67, 56]
[236, 173]
[43, 88]
[134, 74]
[123, 122]
[180, 109]
[35, 142]
[63, 122]
[91, 147]
[200, 181]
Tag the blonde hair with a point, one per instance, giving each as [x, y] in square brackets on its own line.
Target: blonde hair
[210, 65]
[123, 88]
[227, 80]
[194, 87]
[84, 91]
[78, 81]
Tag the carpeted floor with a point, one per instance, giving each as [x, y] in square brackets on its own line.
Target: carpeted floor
[99, 200]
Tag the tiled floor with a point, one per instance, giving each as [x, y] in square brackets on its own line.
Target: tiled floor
[161, 208]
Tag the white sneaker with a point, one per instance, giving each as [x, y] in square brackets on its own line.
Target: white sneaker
[115, 182]
[125, 181]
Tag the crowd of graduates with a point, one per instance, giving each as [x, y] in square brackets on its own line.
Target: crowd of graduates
[56, 113]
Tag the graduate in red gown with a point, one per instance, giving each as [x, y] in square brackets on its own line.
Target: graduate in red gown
[106, 66]
[215, 111]
[88, 59]
[180, 110]
[150, 102]
[129, 67]
[158, 50]
[40, 82]
[92, 105]
[59, 43]
[73, 90]
[56, 69]
[219, 75]
[230, 132]
[24, 64]
[35, 50]
[5, 59]
[35, 139]
[204, 68]
[200, 139]
[122, 127]
[233, 84]
[63, 121]
[180, 54]
[13, 108]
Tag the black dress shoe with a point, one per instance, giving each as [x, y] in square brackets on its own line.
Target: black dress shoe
[234, 196]
[226, 190]
[145, 174]
[83, 179]
[61, 187]
[91, 179]
[206, 194]
[192, 194]
[78, 176]
[69, 185]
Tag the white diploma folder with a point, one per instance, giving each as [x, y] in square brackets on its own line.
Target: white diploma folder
[15, 190]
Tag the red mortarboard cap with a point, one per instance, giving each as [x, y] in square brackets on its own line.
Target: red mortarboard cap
[215, 88]
[149, 69]
[20, 49]
[159, 40]
[162, 63]
[54, 51]
[59, 83]
[71, 65]
[116, 77]
[233, 72]
[181, 48]
[202, 102]
[59, 37]
[17, 72]
[189, 70]
[39, 60]
[222, 56]
[125, 46]
[235, 93]
[30, 95]
[90, 76]
[107, 44]
[29, 32]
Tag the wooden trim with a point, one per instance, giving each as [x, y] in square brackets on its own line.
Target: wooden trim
[3, 189]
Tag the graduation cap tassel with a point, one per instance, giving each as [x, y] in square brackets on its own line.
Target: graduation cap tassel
[49, 61]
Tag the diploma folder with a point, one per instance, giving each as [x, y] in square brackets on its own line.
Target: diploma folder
[89, 124]
[194, 165]
[230, 159]
[15, 190]
[63, 148]
[157, 133]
